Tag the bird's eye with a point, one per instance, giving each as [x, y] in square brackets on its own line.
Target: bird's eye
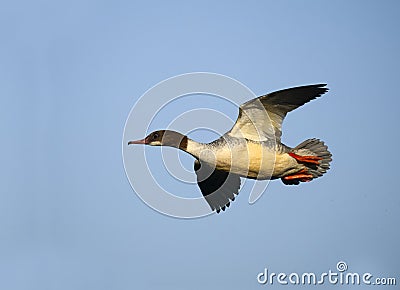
[155, 136]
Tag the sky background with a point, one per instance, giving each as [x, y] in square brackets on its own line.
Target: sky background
[70, 73]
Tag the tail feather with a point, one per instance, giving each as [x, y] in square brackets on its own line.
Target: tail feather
[315, 147]
[312, 147]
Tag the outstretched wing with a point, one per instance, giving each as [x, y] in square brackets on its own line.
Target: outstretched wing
[261, 119]
[218, 187]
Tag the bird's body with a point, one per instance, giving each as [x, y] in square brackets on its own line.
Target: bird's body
[247, 158]
[252, 148]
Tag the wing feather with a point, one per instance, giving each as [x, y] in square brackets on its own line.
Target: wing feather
[218, 187]
[261, 119]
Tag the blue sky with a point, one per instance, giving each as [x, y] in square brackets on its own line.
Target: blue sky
[71, 71]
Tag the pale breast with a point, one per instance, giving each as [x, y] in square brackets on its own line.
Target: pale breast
[246, 158]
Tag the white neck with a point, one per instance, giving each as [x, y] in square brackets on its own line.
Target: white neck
[195, 148]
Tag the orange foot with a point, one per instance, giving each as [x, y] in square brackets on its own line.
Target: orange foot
[306, 159]
[297, 177]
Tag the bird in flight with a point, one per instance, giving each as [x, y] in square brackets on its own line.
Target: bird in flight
[252, 148]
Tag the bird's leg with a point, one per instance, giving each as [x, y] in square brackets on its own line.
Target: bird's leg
[299, 176]
[306, 159]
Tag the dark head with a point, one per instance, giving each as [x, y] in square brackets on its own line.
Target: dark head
[164, 138]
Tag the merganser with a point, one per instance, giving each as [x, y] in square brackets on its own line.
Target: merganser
[252, 148]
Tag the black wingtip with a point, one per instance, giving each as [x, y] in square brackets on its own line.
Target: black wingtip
[320, 89]
[321, 86]
[317, 86]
